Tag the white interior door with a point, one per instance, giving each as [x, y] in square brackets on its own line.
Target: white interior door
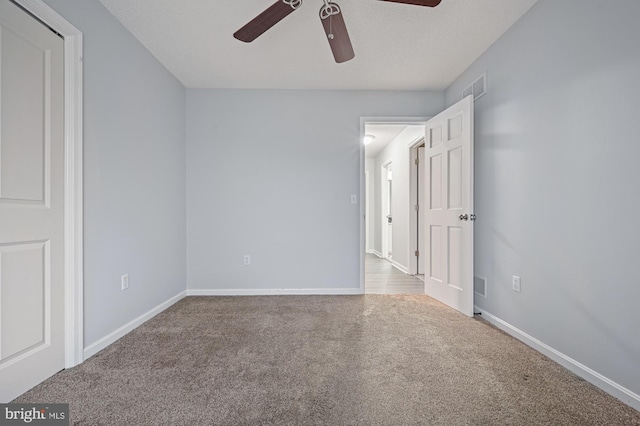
[449, 202]
[31, 202]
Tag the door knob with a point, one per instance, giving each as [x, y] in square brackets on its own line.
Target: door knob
[464, 217]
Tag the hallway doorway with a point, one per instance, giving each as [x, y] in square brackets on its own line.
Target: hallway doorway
[386, 172]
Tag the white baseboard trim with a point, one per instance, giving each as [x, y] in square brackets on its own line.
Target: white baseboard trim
[399, 267]
[110, 338]
[275, 291]
[393, 262]
[612, 388]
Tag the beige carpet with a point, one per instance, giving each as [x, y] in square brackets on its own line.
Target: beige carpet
[354, 360]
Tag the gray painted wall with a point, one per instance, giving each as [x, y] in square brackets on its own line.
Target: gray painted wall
[134, 173]
[270, 174]
[556, 177]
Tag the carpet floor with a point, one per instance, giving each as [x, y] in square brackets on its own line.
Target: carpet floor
[324, 360]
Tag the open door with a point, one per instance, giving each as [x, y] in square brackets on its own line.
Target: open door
[32, 275]
[449, 207]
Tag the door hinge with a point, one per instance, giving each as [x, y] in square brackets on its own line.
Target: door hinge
[417, 207]
[417, 253]
[417, 161]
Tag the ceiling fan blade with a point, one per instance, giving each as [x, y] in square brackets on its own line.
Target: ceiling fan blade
[428, 3]
[267, 19]
[336, 31]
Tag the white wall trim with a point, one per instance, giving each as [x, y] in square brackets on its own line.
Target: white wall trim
[413, 201]
[395, 264]
[73, 185]
[386, 207]
[612, 388]
[399, 266]
[110, 338]
[274, 291]
[367, 201]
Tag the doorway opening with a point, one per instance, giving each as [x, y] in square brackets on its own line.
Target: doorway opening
[442, 227]
[386, 210]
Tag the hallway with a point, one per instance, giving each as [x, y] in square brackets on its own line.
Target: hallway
[383, 278]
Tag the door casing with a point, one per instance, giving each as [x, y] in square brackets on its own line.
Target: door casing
[413, 201]
[386, 209]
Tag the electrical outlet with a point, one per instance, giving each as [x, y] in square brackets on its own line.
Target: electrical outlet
[516, 284]
[247, 259]
[124, 281]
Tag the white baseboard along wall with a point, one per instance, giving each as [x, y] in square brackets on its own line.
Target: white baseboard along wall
[112, 337]
[275, 291]
[612, 388]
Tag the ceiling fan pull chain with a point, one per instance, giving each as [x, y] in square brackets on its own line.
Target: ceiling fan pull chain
[328, 10]
[330, 36]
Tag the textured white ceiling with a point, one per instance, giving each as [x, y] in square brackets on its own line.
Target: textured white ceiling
[398, 46]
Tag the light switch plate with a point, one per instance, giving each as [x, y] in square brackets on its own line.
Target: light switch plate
[516, 284]
[124, 281]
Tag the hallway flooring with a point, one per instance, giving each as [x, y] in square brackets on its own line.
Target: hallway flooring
[381, 277]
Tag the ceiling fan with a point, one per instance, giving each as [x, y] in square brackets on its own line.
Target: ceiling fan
[330, 15]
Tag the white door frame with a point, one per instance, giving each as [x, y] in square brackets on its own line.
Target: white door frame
[385, 209]
[363, 122]
[73, 187]
[413, 200]
[368, 216]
